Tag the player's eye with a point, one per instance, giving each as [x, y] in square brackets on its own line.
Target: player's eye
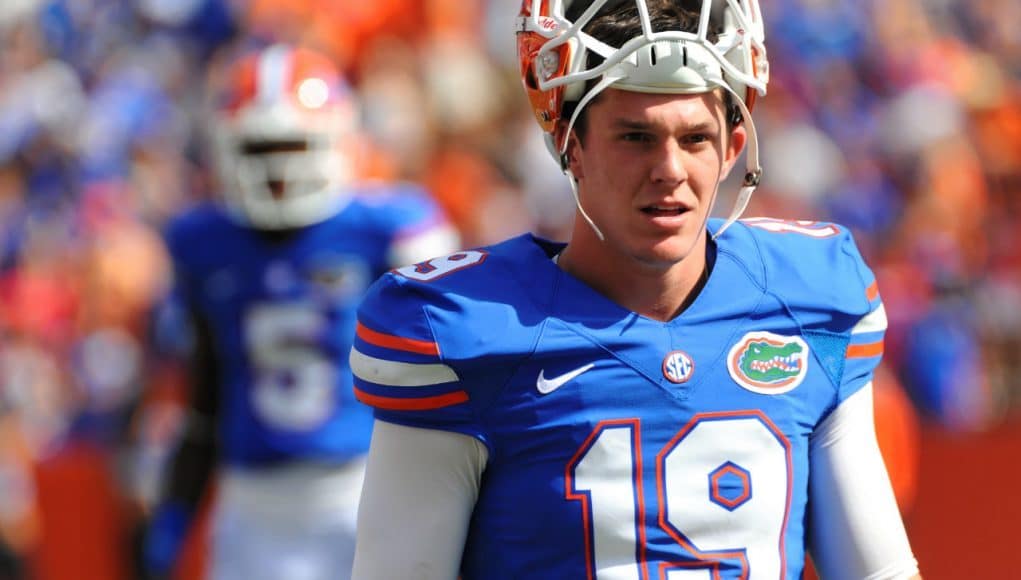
[636, 137]
[698, 138]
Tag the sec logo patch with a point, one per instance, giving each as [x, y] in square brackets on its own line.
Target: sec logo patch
[678, 366]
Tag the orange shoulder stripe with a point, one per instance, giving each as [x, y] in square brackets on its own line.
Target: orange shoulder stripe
[396, 342]
[872, 292]
[865, 350]
[416, 404]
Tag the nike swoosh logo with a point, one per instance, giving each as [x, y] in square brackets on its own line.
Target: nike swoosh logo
[547, 386]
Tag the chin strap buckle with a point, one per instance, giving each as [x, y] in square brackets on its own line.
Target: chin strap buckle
[752, 178]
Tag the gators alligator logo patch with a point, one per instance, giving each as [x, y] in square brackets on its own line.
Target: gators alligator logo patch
[768, 363]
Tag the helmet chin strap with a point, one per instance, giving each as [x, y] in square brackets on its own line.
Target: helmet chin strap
[753, 171]
[602, 85]
[581, 210]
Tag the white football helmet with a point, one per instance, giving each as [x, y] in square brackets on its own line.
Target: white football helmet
[725, 49]
[283, 125]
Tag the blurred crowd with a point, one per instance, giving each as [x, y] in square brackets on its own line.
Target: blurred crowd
[901, 120]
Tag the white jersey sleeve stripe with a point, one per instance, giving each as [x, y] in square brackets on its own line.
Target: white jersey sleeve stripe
[399, 374]
[874, 321]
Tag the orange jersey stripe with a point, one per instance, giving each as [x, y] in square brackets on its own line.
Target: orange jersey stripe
[396, 342]
[865, 350]
[872, 292]
[418, 404]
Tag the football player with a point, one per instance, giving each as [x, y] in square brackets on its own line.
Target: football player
[271, 276]
[667, 395]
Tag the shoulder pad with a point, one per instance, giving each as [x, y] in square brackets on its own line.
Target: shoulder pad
[813, 267]
[188, 232]
[427, 331]
[816, 270]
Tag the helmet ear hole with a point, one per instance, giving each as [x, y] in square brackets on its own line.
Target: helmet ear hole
[528, 77]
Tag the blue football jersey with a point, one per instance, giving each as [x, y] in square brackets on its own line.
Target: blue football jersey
[621, 446]
[281, 311]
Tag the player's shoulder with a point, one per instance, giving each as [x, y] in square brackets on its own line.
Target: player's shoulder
[490, 286]
[809, 265]
[381, 192]
[192, 227]
[397, 201]
[401, 215]
[196, 216]
[435, 342]
[454, 328]
[475, 273]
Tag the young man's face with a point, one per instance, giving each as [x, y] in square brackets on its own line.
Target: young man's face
[648, 169]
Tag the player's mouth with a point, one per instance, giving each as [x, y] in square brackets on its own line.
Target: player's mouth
[663, 210]
[667, 216]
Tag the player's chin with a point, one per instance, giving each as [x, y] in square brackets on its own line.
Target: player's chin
[666, 252]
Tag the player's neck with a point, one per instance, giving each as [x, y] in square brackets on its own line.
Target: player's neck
[656, 292]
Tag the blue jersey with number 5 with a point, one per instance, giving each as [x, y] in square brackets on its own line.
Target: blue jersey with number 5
[619, 446]
[281, 313]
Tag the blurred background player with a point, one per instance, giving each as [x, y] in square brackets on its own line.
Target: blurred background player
[269, 279]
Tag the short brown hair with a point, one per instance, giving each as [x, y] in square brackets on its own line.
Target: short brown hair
[618, 22]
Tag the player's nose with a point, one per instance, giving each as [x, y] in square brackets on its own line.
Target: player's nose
[668, 163]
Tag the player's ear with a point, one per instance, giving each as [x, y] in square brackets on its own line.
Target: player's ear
[570, 156]
[737, 137]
